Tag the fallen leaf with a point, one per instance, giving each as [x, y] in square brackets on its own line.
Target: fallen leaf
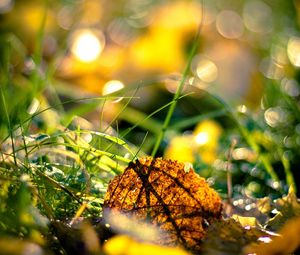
[125, 245]
[286, 208]
[286, 243]
[161, 191]
[228, 237]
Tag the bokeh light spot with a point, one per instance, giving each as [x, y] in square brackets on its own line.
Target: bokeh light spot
[202, 138]
[291, 87]
[207, 71]
[265, 239]
[111, 87]
[230, 24]
[274, 116]
[293, 50]
[65, 18]
[243, 154]
[5, 5]
[120, 32]
[242, 108]
[271, 69]
[258, 17]
[87, 45]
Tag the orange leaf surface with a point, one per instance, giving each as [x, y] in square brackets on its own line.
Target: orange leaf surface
[178, 201]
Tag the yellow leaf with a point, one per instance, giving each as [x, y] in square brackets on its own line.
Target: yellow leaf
[245, 221]
[125, 245]
[286, 243]
[180, 148]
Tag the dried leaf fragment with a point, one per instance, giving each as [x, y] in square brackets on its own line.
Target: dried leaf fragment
[228, 237]
[178, 201]
[287, 242]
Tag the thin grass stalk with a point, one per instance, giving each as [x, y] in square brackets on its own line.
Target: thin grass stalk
[127, 131]
[287, 170]
[184, 123]
[180, 87]
[249, 139]
[38, 54]
[6, 77]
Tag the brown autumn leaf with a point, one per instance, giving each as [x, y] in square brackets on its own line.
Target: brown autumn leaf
[229, 236]
[173, 198]
[287, 207]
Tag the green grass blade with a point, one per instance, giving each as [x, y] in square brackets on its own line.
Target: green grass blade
[133, 116]
[182, 124]
[5, 83]
[139, 123]
[248, 138]
[179, 88]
